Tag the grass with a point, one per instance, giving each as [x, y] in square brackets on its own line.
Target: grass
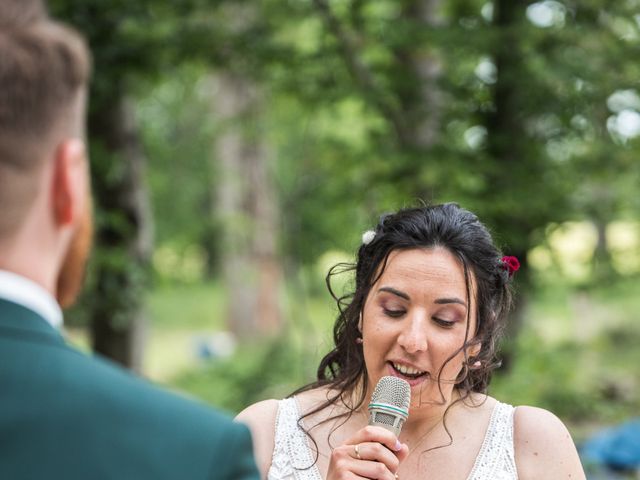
[560, 312]
[180, 317]
[185, 316]
[187, 306]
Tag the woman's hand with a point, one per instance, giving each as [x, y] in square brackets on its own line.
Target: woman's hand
[372, 453]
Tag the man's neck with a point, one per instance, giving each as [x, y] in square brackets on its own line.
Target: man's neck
[33, 262]
[34, 276]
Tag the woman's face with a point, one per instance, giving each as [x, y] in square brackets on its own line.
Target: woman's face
[415, 318]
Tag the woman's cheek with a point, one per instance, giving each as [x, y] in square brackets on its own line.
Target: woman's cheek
[454, 366]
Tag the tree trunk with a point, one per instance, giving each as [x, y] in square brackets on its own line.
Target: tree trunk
[419, 96]
[601, 261]
[247, 209]
[124, 234]
[507, 145]
[425, 64]
[210, 238]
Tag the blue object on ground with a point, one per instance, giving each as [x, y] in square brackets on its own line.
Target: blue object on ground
[617, 447]
[204, 350]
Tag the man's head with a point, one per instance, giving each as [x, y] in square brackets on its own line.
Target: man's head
[44, 188]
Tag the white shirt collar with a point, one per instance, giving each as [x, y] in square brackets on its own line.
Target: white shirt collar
[21, 290]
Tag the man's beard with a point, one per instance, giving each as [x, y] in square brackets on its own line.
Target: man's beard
[72, 272]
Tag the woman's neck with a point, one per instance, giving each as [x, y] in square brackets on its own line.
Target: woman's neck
[424, 419]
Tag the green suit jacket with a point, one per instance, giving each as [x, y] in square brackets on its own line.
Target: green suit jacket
[64, 415]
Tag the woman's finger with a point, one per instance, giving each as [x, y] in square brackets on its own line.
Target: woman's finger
[377, 452]
[372, 433]
[362, 461]
[371, 453]
[372, 470]
[403, 452]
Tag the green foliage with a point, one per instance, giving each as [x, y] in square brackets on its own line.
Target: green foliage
[346, 145]
[577, 355]
[551, 378]
[113, 284]
[339, 159]
[271, 369]
[189, 306]
[581, 382]
[177, 130]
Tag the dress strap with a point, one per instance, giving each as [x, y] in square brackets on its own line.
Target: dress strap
[496, 459]
[292, 457]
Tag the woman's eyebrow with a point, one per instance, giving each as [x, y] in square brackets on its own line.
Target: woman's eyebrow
[395, 292]
[444, 301]
[439, 301]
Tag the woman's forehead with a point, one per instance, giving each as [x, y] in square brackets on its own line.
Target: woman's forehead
[424, 262]
[434, 270]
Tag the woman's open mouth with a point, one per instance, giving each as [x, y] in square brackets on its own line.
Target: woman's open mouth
[410, 374]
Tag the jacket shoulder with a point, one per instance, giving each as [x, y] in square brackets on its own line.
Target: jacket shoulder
[89, 416]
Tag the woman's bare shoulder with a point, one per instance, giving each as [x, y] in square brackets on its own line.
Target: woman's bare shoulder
[543, 445]
[260, 417]
[480, 401]
[260, 414]
[309, 400]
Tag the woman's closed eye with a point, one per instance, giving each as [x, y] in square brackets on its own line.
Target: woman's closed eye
[444, 323]
[392, 312]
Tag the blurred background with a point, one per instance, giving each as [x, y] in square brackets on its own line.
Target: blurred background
[241, 148]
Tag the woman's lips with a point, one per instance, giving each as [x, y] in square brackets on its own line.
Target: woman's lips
[411, 379]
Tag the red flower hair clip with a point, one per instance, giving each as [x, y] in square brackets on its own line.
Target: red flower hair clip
[511, 264]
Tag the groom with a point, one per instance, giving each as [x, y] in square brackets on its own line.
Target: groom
[64, 415]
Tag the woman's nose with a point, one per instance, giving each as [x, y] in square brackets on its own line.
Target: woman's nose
[413, 338]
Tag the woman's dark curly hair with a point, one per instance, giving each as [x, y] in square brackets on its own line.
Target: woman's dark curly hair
[448, 226]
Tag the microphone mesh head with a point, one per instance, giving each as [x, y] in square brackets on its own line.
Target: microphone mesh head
[392, 391]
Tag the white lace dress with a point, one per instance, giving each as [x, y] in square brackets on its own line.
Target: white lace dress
[293, 459]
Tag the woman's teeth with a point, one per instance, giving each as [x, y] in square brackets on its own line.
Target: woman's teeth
[409, 371]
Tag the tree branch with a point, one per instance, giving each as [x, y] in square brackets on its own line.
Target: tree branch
[361, 74]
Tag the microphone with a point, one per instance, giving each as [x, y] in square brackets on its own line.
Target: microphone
[389, 406]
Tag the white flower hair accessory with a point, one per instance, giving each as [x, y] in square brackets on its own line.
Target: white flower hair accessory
[368, 236]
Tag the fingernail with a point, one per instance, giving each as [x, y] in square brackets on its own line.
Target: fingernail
[398, 446]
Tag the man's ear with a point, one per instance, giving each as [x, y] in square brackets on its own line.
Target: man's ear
[69, 181]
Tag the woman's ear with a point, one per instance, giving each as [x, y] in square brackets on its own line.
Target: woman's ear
[472, 356]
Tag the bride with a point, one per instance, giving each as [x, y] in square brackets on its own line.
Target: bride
[431, 297]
